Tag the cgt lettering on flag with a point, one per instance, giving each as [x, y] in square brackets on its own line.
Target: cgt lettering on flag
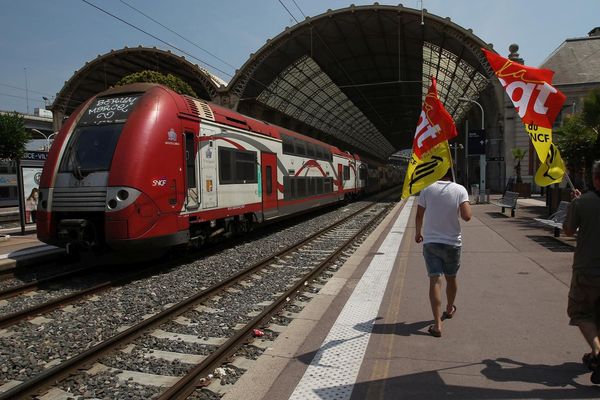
[536, 101]
[426, 136]
[430, 157]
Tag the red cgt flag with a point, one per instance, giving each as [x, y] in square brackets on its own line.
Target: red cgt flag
[435, 124]
[536, 101]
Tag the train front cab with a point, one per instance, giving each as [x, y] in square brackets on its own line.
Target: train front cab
[103, 184]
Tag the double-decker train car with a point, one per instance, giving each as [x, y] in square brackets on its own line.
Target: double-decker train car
[140, 167]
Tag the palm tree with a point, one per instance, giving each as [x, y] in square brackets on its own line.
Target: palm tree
[518, 155]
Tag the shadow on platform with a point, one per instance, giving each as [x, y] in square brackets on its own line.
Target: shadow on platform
[559, 382]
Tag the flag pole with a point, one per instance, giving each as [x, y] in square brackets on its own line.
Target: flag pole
[569, 181]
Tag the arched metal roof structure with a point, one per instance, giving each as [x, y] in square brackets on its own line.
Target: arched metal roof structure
[354, 77]
[357, 75]
[107, 69]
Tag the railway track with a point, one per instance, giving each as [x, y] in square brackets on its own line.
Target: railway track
[301, 262]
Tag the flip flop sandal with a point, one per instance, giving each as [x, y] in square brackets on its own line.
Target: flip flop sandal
[433, 332]
[446, 315]
[590, 361]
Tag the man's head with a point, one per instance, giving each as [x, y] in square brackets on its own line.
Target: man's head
[596, 174]
[448, 175]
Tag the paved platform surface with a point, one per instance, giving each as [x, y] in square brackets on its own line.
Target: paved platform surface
[509, 339]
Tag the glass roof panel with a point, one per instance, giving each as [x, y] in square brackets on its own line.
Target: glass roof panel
[305, 92]
[455, 78]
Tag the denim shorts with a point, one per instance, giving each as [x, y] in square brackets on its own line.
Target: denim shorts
[441, 259]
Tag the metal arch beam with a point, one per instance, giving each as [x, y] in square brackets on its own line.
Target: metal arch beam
[126, 61]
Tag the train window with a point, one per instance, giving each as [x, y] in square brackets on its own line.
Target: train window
[362, 173]
[190, 160]
[269, 178]
[320, 186]
[328, 185]
[91, 149]
[318, 153]
[346, 173]
[310, 150]
[328, 156]
[294, 188]
[237, 166]
[301, 187]
[288, 144]
[109, 110]
[225, 170]
[300, 147]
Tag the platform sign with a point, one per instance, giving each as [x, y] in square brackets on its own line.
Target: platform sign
[477, 142]
[29, 172]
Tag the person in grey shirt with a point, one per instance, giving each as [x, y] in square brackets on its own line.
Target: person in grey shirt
[439, 206]
[583, 218]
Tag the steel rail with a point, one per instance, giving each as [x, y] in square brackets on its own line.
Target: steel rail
[191, 381]
[29, 286]
[57, 373]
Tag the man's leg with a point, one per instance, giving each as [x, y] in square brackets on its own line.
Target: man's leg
[435, 298]
[451, 290]
[590, 333]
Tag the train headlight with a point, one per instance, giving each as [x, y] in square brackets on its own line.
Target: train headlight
[122, 195]
[118, 198]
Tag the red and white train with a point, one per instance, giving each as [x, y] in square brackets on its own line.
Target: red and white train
[142, 167]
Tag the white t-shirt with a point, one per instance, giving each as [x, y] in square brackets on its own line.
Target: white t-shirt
[441, 201]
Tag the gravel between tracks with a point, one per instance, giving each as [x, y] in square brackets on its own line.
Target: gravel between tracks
[25, 348]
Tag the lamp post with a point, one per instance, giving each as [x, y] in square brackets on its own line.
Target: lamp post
[47, 137]
[481, 156]
[455, 147]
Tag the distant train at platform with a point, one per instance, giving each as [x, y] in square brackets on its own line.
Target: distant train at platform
[141, 167]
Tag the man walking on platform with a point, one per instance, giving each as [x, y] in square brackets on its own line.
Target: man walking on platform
[584, 295]
[439, 206]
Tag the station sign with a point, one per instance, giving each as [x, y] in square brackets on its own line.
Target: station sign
[29, 172]
[477, 142]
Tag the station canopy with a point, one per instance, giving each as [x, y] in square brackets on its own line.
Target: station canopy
[107, 69]
[358, 75]
[353, 77]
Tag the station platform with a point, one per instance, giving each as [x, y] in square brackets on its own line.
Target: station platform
[364, 336]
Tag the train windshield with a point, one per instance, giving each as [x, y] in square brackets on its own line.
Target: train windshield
[93, 142]
[91, 149]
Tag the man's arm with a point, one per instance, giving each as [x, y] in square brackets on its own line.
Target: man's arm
[419, 223]
[569, 225]
[465, 211]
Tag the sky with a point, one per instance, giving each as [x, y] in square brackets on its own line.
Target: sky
[42, 42]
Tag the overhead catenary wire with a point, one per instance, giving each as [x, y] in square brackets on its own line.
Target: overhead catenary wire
[179, 35]
[264, 86]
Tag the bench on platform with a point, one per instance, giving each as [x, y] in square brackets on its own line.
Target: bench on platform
[556, 220]
[509, 200]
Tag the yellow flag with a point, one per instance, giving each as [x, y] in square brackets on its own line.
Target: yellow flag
[552, 170]
[541, 138]
[425, 171]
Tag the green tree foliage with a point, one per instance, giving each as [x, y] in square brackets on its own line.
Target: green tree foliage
[575, 139]
[171, 81]
[579, 138]
[591, 111]
[518, 155]
[13, 136]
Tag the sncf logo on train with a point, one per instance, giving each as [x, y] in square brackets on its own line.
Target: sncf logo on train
[109, 110]
[160, 182]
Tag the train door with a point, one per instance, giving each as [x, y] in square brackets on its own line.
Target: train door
[208, 174]
[191, 199]
[269, 184]
[340, 179]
